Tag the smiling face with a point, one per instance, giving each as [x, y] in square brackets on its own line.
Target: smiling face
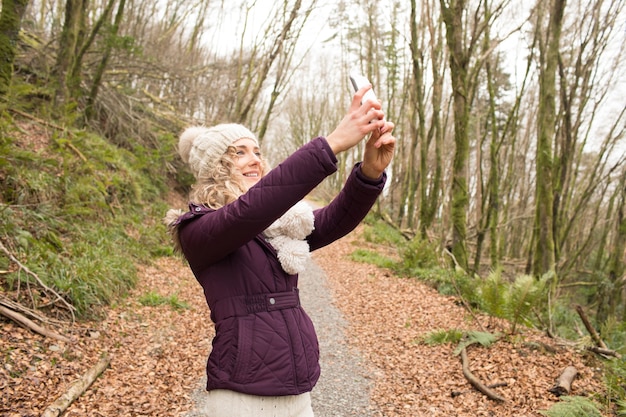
[249, 161]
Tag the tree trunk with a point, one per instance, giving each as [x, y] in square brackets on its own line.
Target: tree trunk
[417, 130]
[435, 132]
[544, 256]
[95, 87]
[618, 252]
[10, 24]
[68, 46]
[459, 62]
[489, 219]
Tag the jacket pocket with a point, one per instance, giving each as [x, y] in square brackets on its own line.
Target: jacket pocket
[245, 335]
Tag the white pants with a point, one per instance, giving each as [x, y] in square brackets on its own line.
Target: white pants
[225, 403]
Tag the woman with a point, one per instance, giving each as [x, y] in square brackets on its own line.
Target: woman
[246, 238]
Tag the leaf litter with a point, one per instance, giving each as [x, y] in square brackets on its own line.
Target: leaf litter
[158, 353]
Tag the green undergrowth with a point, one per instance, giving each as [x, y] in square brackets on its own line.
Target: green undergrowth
[78, 212]
[573, 406]
[152, 299]
[524, 301]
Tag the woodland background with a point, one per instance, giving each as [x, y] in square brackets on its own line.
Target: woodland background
[510, 118]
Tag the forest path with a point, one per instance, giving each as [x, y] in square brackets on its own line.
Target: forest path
[343, 389]
[371, 325]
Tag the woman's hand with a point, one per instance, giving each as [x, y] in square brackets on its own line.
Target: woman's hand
[378, 151]
[361, 120]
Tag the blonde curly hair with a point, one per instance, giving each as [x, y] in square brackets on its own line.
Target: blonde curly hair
[216, 186]
[222, 183]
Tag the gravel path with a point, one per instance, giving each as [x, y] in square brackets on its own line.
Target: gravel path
[343, 388]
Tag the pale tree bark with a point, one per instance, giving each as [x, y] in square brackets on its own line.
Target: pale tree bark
[435, 135]
[422, 172]
[618, 253]
[396, 98]
[490, 202]
[495, 133]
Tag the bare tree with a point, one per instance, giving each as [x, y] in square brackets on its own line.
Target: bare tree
[616, 258]
[74, 31]
[549, 35]
[102, 66]
[462, 40]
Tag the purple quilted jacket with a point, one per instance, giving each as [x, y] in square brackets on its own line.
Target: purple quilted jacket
[265, 343]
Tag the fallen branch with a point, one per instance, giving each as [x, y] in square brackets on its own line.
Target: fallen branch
[407, 234]
[54, 126]
[77, 388]
[492, 395]
[38, 120]
[496, 385]
[32, 314]
[31, 273]
[604, 352]
[563, 384]
[590, 329]
[31, 325]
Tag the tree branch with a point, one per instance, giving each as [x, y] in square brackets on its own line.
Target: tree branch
[475, 382]
[594, 335]
[77, 388]
[31, 273]
[31, 325]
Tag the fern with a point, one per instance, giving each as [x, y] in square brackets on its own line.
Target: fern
[441, 337]
[512, 301]
[494, 294]
[573, 406]
[483, 338]
[525, 293]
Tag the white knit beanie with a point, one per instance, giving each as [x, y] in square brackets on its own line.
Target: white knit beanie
[201, 146]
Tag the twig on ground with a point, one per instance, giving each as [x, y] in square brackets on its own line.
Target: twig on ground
[594, 335]
[77, 388]
[33, 314]
[604, 352]
[31, 273]
[496, 385]
[475, 382]
[29, 324]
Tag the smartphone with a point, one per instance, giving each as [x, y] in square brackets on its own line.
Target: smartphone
[359, 81]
